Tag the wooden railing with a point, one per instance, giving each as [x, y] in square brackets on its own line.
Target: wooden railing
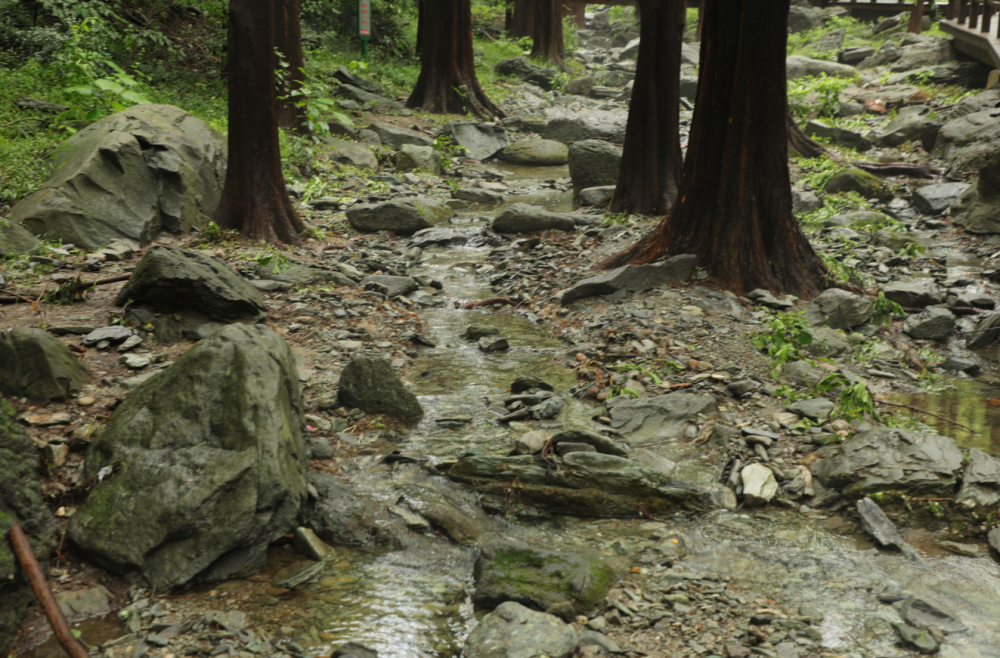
[975, 14]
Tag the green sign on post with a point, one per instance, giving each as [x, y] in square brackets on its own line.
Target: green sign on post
[364, 25]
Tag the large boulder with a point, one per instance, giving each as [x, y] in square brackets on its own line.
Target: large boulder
[513, 631]
[538, 152]
[539, 578]
[971, 134]
[350, 153]
[521, 67]
[648, 420]
[203, 465]
[176, 278]
[925, 53]
[403, 215]
[887, 459]
[632, 278]
[910, 125]
[936, 198]
[978, 207]
[37, 365]
[567, 127]
[418, 158]
[524, 218]
[803, 19]
[130, 175]
[593, 163]
[370, 383]
[394, 137]
[481, 140]
[918, 293]
[932, 323]
[15, 239]
[21, 502]
[839, 309]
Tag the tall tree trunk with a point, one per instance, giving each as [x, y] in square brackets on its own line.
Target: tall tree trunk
[651, 163]
[735, 206]
[548, 31]
[420, 26]
[254, 200]
[522, 23]
[447, 82]
[288, 41]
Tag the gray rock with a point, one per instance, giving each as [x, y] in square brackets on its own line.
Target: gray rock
[37, 365]
[593, 163]
[844, 136]
[798, 66]
[878, 525]
[113, 333]
[538, 152]
[340, 515]
[804, 202]
[839, 309]
[395, 137]
[858, 219]
[910, 125]
[354, 650]
[418, 158]
[934, 199]
[759, 485]
[927, 53]
[855, 180]
[351, 153]
[978, 208]
[933, 323]
[15, 239]
[493, 344]
[403, 215]
[920, 293]
[968, 141]
[393, 285]
[994, 539]
[522, 218]
[348, 77]
[958, 364]
[831, 41]
[130, 175]
[175, 278]
[300, 273]
[511, 571]
[600, 442]
[371, 384]
[816, 409]
[589, 638]
[521, 67]
[646, 420]
[580, 86]
[827, 343]
[633, 278]
[588, 124]
[448, 510]
[481, 140]
[854, 55]
[980, 482]
[915, 638]
[594, 195]
[885, 459]
[85, 603]
[212, 465]
[475, 236]
[803, 19]
[924, 613]
[550, 408]
[513, 631]
[22, 502]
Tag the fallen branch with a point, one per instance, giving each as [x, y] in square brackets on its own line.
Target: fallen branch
[490, 302]
[7, 125]
[898, 169]
[929, 413]
[22, 549]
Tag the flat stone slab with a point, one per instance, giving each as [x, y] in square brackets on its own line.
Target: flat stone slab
[633, 278]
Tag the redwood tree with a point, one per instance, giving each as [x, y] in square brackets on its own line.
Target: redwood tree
[254, 200]
[448, 82]
[288, 41]
[734, 210]
[522, 22]
[547, 31]
[651, 163]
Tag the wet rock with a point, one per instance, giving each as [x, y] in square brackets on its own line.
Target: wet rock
[481, 140]
[601, 443]
[296, 573]
[478, 195]
[798, 66]
[476, 332]
[969, 550]
[593, 163]
[309, 544]
[816, 409]
[522, 218]
[530, 443]
[513, 631]
[987, 331]
[958, 364]
[924, 613]
[980, 481]
[913, 294]
[886, 459]
[878, 525]
[395, 137]
[932, 323]
[511, 571]
[493, 344]
[176, 278]
[351, 153]
[404, 215]
[21, 501]
[213, 464]
[129, 175]
[538, 152]
[418, 158]
[475, 236]
[590, 124]
[839, 309]
[393, 285]
[354, 650]
[524, 382]
[371, 384]
[632, 278]
[915, 638]
[37, 365]
[550, 408]
[521, 67]
[339, 515]
[759, 485]
[448, 510]
[994, 539]
[936, 198]
[646, 420]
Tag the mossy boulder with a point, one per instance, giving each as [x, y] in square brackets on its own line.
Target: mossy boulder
[371, 384]
[14, 239]
[404, 215]
[538, 578]
[21, 501]
[37, 365]
[209, 465]
[856, 180]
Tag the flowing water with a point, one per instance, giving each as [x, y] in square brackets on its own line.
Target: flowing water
[416, 602]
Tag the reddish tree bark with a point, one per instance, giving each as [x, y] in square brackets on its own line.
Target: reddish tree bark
[254, 200]
[547, 32]
[522, 23]
[735, 206]
[448, 82]
[288, 41]
[651, 163]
